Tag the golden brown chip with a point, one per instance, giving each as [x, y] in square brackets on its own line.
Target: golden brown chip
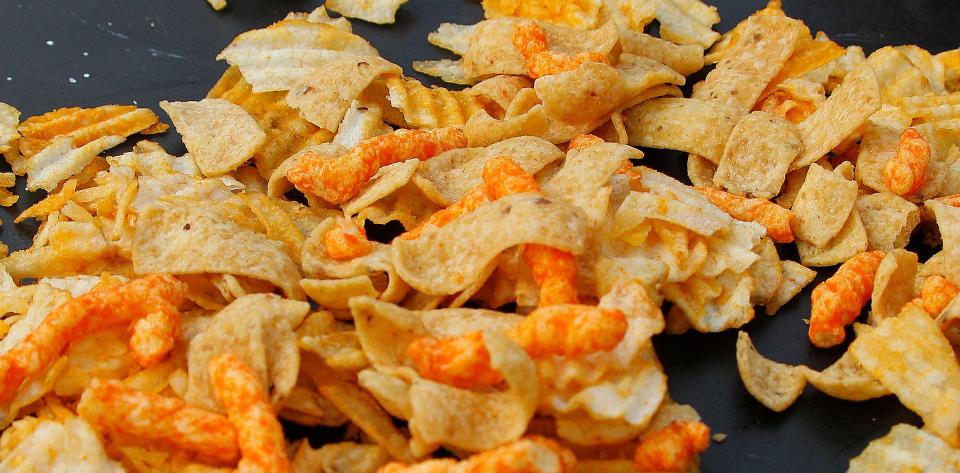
[581, 14]
[82, 125]
[694, 126]
[683, 58]
[847, 243]
[60, 160]
[888, 219]
[906, 448]
[795, 278]
[766, 272]
[823, 205]
[910, 356]
[845, 379]
[9, 119]
[775, 385]
[219, 134]
[893, 285]
[757, 155]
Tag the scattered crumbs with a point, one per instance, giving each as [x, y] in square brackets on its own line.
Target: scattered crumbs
[135, 103]
[109, 23]
[86, 53]
[86, 75]
[153, 25]
[50, 42]
[72, 80]
[719, 437]
[806, 321]
[9, 78]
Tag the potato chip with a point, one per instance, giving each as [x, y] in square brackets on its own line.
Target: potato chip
[9, 119]
[823, 205]
[437, 263]
[898, 77]
[906, 448]
[380, 12]
[447, 70]
[82, 125]
[360, 122]
[387, 180]
[343, 457]
[888, 219]
[910, 356]
[219, 134]
[275, 58]
[166, 242]
[60, 160]
[449, 176]
[73, 247]
[845, 379]
[582, 14]
[72, 445]
[452, 37]
[775, 385]
[687, 22]
[257, 329]
[430, 107]
[742, 75]
[694, 126]
[893, 284]
[713, 304]
[325, 95]
[755, 163]
[847, 243]
[795, 278]
[848, 107]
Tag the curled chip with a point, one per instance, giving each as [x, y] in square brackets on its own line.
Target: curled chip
[219, 134]
[472, 241]
[775, 385]
[375, 11]
[845, 379]
[909, 355]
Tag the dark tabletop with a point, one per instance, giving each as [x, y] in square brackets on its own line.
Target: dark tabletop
[58, 53]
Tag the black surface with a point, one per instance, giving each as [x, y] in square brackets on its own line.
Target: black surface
[149, 50]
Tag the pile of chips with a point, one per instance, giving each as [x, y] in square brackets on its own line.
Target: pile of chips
[172, 310]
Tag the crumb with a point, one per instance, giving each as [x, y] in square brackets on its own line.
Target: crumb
[719, 437]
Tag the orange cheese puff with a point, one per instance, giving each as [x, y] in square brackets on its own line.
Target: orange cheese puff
[153, 419]
[339, 179]
[346, 240]
[837, 302]
[461, 361]
[672, 448]
[465, 205]
[906, 172]
[531, 454]
[259, 435]
[773, 217]
[555, 272]
[936, 293]
[530, 39]
[502, 176]
[154, 297]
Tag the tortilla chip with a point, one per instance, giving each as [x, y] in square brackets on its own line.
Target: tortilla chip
[888, 219]
[219, 134]
[387, 180]
[906, 448]
[167, 240]
[742, 75]
[683, 58]
[324, 96]
[584, 178]
[823, 205]
[694, 126]
[909, 355]
[893, 284]
[766, 272]
[845, 379]
[257, 329]
[275, 58]
[449, 259]
[757, 155]
[775, 385]
[850, 241]
[847, 108]
[795, 278]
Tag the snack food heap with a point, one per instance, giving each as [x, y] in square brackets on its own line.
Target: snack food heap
[172, 311]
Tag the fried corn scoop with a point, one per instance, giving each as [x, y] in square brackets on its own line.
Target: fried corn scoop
[259, 434]
[340, 179]
[837, 302]
[168, 422]
[530, 39]
[566, 330]
[672, 448]
[148, 304]
[906, 172]
[531, 454]
[774, 218]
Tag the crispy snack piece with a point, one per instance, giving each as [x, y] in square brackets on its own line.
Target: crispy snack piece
[776, 385]
[564, 330]
[259, 435]
[531, 454]
[906, 172]
[338, 180]
[158, 420]
[531, 40]
[837, 302]
[672, 448]
[154, 297]
[287, 132]
[774, 218]
[84, 125]
[346, 240]
[583, 141]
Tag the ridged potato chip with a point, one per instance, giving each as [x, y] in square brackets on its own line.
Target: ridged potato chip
[60, 160]
[83, 125]
[381, 12]
[906, 448]
[219, 134]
